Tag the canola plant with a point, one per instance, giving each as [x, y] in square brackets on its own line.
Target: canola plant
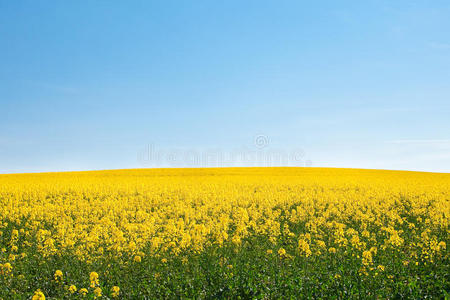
[224, 233]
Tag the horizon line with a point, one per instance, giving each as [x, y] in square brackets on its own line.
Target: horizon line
[226, 167]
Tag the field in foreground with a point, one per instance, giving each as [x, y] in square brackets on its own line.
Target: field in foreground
[221, 233]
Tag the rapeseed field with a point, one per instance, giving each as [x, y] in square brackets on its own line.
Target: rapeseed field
[258, 233]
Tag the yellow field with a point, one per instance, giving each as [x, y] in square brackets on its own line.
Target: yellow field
[373, 218]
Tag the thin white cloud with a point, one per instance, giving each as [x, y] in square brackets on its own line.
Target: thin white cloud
[439, 45]
[422, 141]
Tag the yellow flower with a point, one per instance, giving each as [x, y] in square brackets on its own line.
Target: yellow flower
[367, 258]
[93, 278]
[5, 269]
[58, 275]
[72, 288]
[332, 250]
[365, 233]
[163, 260]
[137, 259]
[282, 253]
[303, 247]
[115, 291]
[321, 244]
[38, 295]
[380, 267]
[98, 292]
[83, 291]
[269, 251]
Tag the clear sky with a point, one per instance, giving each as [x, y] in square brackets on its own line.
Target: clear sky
[92, 84]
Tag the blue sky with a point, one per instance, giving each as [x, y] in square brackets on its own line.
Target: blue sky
[91, 84]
